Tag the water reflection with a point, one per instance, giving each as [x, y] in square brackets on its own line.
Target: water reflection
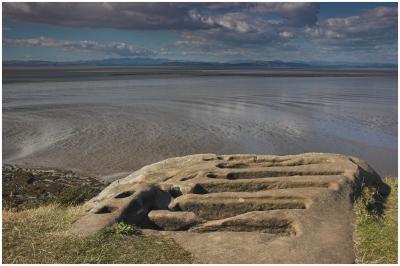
[105, 127]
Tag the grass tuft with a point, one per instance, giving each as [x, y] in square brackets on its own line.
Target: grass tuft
[121, 229]
[376, 226]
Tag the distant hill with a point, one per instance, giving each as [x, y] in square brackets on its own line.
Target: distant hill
[144, 61]
[103, 62]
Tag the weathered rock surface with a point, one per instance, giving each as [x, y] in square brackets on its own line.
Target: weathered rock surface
[242, 208]
[173, 221]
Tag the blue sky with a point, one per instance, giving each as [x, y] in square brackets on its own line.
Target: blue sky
[329, 32]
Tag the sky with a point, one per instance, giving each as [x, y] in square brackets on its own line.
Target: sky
[217, 32]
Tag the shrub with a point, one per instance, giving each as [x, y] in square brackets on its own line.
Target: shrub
[73, 196]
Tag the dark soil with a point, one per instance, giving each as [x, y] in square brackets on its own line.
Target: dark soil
[27, 188]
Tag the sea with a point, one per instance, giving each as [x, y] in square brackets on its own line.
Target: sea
[109, 122]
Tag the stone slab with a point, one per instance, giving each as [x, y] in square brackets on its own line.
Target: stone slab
[242, 208]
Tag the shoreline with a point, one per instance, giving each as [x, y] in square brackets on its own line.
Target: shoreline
[102, 178]
[14, 75]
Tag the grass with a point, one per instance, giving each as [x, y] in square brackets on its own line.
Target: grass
[40, 236]
[376, 226]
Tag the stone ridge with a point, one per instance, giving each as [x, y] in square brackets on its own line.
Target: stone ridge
[242, 208]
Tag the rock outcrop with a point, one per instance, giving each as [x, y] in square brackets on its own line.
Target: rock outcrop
[242, 208]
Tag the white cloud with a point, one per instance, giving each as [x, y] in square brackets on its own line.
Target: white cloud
[186, 16]
[369, 22]
[115, 48]
[296, 14]
[261, 29]
[286, 34]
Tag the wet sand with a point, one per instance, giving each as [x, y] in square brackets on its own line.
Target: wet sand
[110, 127]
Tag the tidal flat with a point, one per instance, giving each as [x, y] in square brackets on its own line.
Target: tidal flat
[108, 122]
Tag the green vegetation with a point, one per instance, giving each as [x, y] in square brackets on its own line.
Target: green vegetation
[73, 196]
[121, 229]
[376, 226]
[40, 236]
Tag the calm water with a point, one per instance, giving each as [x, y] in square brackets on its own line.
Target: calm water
[112, 127]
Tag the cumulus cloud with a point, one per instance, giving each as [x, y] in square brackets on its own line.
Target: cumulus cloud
[250, 24]
[214, 24]
[109, 14]
[115, 48]
[235, 21]
[371, 26]
[161, 15]
[217, 28]
[295, 14]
